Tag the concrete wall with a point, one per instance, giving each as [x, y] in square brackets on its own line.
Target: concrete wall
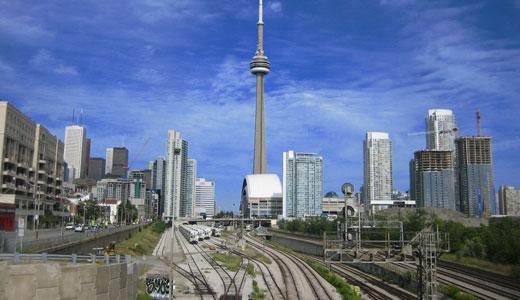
[299, 245]
[49, 281]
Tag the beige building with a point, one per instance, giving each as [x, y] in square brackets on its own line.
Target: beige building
[332, 206]
[31, 168]
[509, 201]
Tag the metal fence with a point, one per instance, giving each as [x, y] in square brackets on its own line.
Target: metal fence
[10, 240]
[73, 258]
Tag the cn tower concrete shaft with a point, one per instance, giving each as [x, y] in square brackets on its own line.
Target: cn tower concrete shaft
[259, 67]
[259, 164]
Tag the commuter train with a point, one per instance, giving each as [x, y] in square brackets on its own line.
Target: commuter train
[189, 234]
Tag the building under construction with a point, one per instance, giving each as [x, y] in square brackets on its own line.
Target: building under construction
[475, 176]
[432, 179]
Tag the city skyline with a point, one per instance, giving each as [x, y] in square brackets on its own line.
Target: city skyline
[323, 103]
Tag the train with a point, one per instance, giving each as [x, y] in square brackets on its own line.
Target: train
[189, 234]
[196, 233]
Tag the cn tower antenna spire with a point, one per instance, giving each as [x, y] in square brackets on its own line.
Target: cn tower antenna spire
[259, 67]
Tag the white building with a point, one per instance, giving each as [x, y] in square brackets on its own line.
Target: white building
[205, 197]
[191, 179]
[302, 184]
[262, 196]
[176, 176]
[75, 151]
[441, 130]
[377, 159]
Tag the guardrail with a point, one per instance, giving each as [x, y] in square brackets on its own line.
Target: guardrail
[73, 258]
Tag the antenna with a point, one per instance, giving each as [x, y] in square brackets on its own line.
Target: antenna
[478, 122]
[73, 111]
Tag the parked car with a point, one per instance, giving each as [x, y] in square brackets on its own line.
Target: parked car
[69, 226]
[79, 228]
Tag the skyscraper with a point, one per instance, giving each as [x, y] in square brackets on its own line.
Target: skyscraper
[75, 151]
[302, 184]
[96, 168]
[116, 162]
[441, 130]
[377, 160]
[205, 197]
[433, 179]
[259, 67]
[475, 176]
[158, 168]
[176, 176]
[191, 178]
[88, 143]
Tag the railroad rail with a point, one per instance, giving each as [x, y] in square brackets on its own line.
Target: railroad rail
[316, 284]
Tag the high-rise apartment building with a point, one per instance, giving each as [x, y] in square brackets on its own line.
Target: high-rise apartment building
[302, 184]
[441, 130]
[116, 162]
[433, 179]
[31, 168]
[377, 160]
[204, 197]
[96, 168]
[75, 151]
[509, 201]
[475, 176]
[176, 176]
[191, 178]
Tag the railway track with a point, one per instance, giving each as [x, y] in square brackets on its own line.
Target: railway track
[272, 286]
[226, 278]
[199, 280]
[314, 281]
[382, 290]
[472, 286]
[512, 284]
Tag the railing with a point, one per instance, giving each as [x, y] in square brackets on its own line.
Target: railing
[9, 240]
[73, 258]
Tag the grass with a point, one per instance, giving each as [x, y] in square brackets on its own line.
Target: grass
[254, 254]
[480, 264]
[230, 261]
[257, 293]
[454, 293]
[141, 243]
[250, 268]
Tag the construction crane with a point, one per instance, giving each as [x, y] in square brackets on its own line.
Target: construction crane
[139, 153]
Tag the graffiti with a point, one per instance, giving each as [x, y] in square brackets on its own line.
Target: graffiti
[158, 286]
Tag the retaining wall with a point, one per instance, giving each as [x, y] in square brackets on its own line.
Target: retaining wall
[49, 281]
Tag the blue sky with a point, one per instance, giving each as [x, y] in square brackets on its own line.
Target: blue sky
[339, 68]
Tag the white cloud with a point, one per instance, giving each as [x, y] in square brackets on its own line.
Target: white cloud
[276, 6]
[45, 60]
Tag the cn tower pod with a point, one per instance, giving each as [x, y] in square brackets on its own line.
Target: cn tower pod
[260, 64]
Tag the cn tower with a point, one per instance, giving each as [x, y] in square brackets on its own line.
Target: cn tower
[259, 67]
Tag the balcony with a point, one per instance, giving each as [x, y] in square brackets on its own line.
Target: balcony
[9, 172]
[8, 185]
[40, 171]
[41, 182]
[22, 166]
[42, 161]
